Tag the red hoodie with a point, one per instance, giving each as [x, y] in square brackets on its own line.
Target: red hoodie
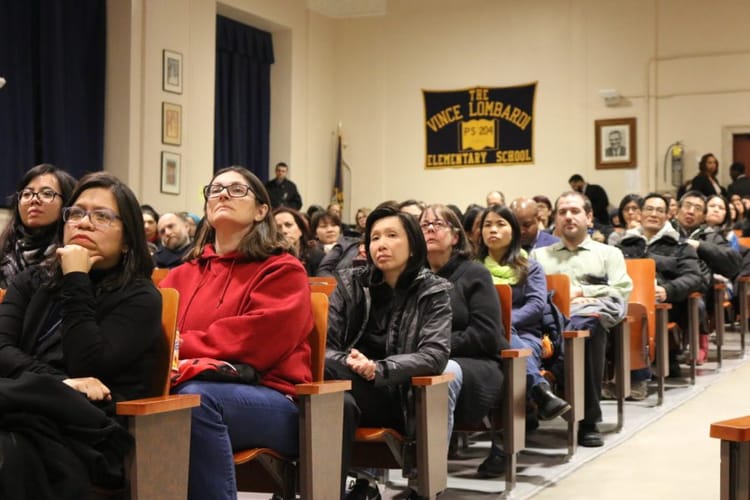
[257, 313]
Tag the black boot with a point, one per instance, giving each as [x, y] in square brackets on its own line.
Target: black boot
[549, 405]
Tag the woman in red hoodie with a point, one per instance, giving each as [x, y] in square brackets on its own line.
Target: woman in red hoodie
[244, 318]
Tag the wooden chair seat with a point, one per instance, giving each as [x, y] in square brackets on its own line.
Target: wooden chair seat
[244, 456]
[575, 359]
[377, 434]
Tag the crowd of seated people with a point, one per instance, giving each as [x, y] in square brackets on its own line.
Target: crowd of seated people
[414, 296]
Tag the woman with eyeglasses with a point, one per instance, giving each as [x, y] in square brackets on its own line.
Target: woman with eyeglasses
[629, 215]
[477, 335]
[29, 237]
[78, 333]
[387, 322]
[244, 318]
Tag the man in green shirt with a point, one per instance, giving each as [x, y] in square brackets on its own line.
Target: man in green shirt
[600, 287]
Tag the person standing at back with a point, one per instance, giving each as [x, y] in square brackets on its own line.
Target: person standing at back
[597, 195]
[282, 191]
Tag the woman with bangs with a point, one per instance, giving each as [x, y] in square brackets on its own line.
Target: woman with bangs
[244, 318]
[387, 322]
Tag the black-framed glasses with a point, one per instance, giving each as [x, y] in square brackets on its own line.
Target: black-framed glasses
[234, 190]
[100, 217]
[437, 225]
[43, 195]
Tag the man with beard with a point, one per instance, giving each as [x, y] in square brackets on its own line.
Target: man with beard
[175, 240]
[599, 291]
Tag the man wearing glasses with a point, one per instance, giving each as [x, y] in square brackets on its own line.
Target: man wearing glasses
[678, 272]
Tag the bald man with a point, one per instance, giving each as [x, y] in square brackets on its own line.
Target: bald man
[525, 210]
[495, 198]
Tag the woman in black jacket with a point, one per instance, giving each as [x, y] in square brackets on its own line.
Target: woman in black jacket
[387, 322]
[706, 181]
[477, 335]
[84, 325]
[29, 237]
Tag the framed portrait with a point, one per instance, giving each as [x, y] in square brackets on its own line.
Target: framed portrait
[615, 143]
[170, 172]
[172, 71]
[171, 123]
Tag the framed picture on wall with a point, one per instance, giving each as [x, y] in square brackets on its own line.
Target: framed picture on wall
[170, 172]
[172, 71]
[615, 143]
[171, 123]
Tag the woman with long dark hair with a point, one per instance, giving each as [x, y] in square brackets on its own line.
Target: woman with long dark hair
[293, 226]
[501, 253]
[29, 237]
[83, 326]
[387, 322]
[244, 318]
[706, 181]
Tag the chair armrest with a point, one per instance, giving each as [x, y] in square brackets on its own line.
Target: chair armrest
[575, 334]
[326, 387]
[663, 306]
[515, 353]
[736, 429]
[159, 404]
[431, 380]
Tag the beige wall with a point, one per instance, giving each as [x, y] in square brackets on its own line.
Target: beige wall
[683, 69]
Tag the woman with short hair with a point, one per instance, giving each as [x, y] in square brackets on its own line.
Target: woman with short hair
[387, 322]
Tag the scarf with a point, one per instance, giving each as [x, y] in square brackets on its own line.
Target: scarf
[31, 247]
[501, 274]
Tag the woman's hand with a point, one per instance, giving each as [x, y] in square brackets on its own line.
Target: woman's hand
[75, 258]
[92, 387]
[359, 364]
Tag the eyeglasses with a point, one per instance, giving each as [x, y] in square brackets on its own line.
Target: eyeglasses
[234, 190]
[100, 217]
[654, 210]
[437, 225]
[694, 206]
[45, 195]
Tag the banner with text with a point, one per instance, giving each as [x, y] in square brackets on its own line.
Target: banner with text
[479, 126]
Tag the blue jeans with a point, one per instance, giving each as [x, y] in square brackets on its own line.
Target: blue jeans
[234, 417]
[454, 390]
[533, 362]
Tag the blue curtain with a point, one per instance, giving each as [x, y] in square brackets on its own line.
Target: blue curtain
[243, 96]
[52, 54]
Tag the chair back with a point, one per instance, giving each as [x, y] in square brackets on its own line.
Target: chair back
[170, 299]
[2, 294]
[744, 241]
[560, 283]
[505, 294]
[642, 304]
[317, 336]
[158, 274]
[322, 284]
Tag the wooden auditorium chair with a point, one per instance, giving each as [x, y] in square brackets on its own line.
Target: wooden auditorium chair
[316, 472]
[510, 417]
[648, 322]
[158, 465]
[158, 274]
